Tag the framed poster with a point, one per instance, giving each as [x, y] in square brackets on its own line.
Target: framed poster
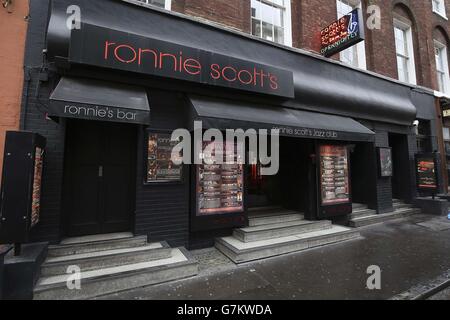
[426, 172]
[220, 187]
[334, 175]
[385, 162]
[37, 182]
[160, 162]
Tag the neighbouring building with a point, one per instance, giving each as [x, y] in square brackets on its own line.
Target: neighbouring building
[13, 23]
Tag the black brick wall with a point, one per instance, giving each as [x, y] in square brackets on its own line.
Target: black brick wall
[33, 118]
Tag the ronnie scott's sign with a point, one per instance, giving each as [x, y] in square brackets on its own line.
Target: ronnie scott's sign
[98, 46]
[343, 33]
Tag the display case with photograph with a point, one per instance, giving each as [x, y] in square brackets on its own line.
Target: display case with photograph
[220, 187]
[334, 175]
[160, 161]
[385, 162]
[426, 172]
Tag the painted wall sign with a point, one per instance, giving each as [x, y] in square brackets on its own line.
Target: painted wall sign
[98, 46]
[343, 33]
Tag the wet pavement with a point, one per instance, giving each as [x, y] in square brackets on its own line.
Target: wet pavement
[409, 252]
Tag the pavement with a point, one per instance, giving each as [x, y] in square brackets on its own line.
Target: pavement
[411, 253]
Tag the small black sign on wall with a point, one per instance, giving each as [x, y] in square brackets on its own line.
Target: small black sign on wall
[21, 185]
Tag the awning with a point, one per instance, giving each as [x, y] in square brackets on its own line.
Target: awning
[99, 100]
[226, 114]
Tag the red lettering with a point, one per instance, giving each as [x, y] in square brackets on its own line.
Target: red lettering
[224, 70]
[143, 51]
[215, 73]
[250, 77]
[116, 53]
[274, 82]
[161, 60]
[192, 66]
[107, 44]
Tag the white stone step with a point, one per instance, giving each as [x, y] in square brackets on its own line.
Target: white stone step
[359, 206]
[276, 230]
[362, 213]
[280, 217]
[241, 252]
[111, 280]
[399, 205]
[105, 259]
[102, 243]
[380, 218]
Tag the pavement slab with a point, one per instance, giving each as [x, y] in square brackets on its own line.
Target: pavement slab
[408, 254]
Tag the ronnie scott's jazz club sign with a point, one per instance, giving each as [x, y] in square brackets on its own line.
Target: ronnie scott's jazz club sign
[343, 33]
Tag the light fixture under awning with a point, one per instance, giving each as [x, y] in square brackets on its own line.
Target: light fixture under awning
[99, 100]
[226, 114]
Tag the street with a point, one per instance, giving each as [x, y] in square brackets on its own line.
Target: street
[410, 253]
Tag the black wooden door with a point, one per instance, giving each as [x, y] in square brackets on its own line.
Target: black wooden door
[100, 177]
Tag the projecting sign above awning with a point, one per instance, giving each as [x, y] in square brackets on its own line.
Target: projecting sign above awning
[99, 100]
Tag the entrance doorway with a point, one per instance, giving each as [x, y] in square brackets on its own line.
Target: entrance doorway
[293, 187]
[100, 176]
[401, 166]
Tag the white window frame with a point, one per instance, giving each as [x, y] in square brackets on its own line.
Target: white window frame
[287, 21]
[407, 29]
[361, 46]
[443, 51]
[439, 8]
[167, 4]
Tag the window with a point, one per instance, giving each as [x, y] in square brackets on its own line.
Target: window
[165, 4]
[442, 72]
[405, 52]
[447, 140]
[356, 55]
[423, 135]
[439, 7]
[271, 20]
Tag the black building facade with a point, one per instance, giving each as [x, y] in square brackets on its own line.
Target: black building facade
[130, 74]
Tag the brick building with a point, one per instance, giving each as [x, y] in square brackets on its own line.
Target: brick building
[13, 22]
[109, 88]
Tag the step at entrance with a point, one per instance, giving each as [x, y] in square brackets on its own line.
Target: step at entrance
[271, 215]
[270, 236]
[364, 218]
[109, 265]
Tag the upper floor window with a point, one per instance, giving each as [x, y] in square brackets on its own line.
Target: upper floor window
[355, 55]
[439, 7]
[271, 20]
[405, 52]
[440, 51]
[165, 4]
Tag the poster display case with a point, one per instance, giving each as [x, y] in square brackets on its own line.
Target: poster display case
[23, 166]
[385, 162]
[219, 191]
[426, 172]
[334, 181]
[160, 162]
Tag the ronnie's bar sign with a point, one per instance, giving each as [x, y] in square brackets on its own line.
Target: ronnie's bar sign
[342, 34]
[108, 48]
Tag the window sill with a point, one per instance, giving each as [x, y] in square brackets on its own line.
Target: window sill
[440, 14]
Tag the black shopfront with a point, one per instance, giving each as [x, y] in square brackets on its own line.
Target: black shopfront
[110, 94]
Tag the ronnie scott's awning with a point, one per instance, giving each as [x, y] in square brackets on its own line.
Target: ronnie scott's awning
[99, 100]
[226, 114]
